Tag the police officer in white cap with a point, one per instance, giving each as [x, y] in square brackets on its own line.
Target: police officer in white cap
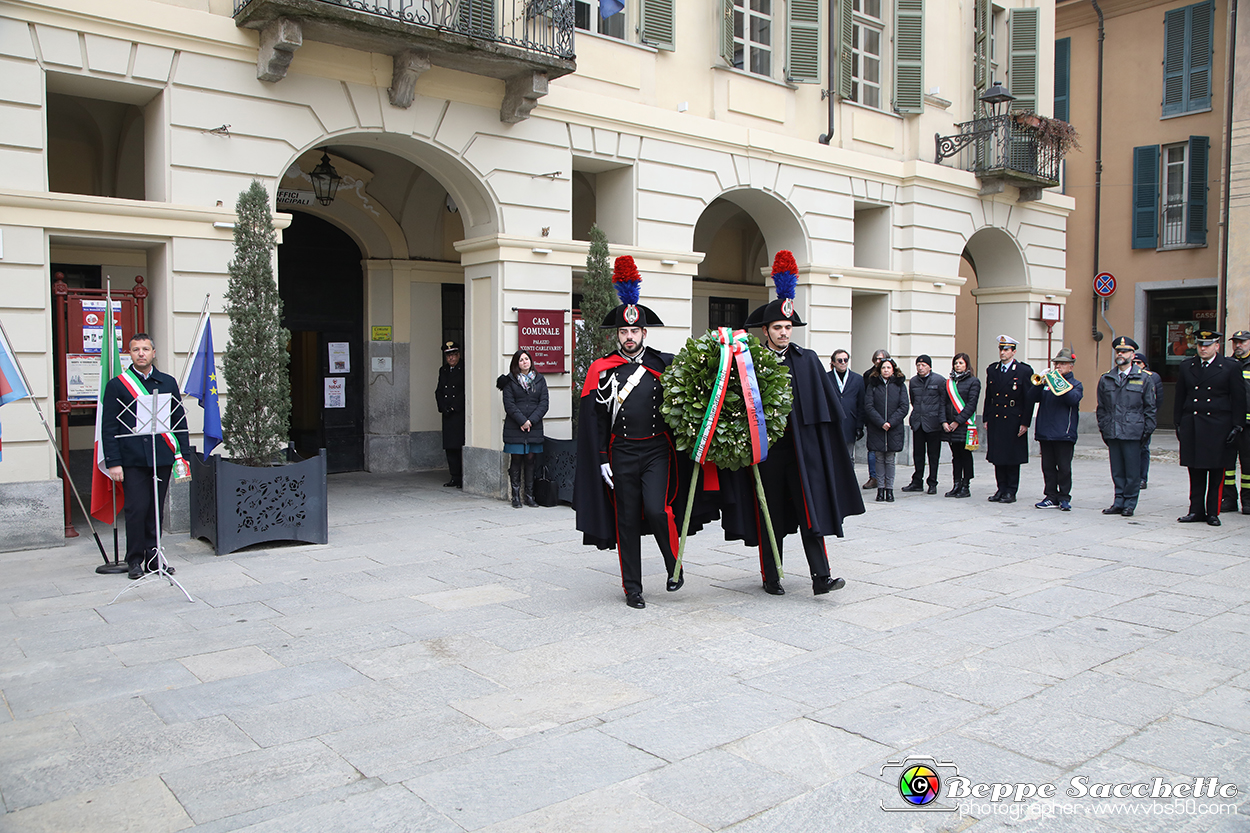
[1008, 414]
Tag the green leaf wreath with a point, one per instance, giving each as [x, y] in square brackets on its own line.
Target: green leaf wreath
[688, 384]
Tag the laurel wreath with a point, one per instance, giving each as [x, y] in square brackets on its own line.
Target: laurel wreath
[688, 384]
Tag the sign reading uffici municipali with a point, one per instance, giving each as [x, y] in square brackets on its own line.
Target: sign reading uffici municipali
[540, 332]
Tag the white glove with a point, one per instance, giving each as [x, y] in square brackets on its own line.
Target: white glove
[605, 471]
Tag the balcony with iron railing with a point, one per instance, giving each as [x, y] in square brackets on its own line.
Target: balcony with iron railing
[525, 43]
[1020, 149]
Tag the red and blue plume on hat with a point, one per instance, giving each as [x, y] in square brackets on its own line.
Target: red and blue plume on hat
[785, 274]
[626, 280]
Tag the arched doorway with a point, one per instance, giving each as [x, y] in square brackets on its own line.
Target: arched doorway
[321, 283]
[1002, 294]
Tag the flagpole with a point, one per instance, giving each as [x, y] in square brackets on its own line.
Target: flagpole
[195, 342]
[52, 439]
[116, 566]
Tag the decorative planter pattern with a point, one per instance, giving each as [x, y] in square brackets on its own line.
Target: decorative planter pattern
[560, 459]
[234, 506]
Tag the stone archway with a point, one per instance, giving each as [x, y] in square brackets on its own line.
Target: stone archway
[1002, 294]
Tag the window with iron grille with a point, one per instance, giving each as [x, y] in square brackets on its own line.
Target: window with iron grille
[1170, 194]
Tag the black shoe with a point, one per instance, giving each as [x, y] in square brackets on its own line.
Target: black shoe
[932, 490]
[1245, 509]
[1142, 487]
[529, 500]
[823, 584]
[671, 585]
[889, 495]
[153, 564]
[1214, 520]
[1007, 498]
[881, 496]
[136, 571]
[954, 492]
[963, 489]
[451, 482]
[1128, 513]
[1192, 518]
[774, 588]
[996, 497]
[1113, 510]
[635, 600]
[913, 487]
[516, 498]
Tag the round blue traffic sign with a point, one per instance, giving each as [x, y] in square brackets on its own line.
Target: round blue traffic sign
[1104, 284]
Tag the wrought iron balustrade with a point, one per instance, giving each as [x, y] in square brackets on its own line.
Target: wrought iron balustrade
[1003, 147]
[540, 26]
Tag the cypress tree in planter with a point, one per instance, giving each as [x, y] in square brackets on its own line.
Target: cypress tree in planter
[250, 499]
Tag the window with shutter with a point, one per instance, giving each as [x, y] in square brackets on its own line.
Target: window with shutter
[981, 55]
[477, 17]
[1196, 222]
[727, 31]
[1022, 63]
[909, 56]
[803, 47]
[1063, 57]
[656, 26]
[846, 48]
[753, 36]
[1145, 197]
[1187, 46]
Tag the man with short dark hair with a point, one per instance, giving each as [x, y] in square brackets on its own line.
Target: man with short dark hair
[928, 411]
[848, 386]
[1210, 413]
[132, 459]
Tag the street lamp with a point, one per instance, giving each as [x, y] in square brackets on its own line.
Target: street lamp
[325, 180]
[997, 94]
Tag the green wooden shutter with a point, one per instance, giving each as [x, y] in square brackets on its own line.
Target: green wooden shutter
[477, 17]
[803, 49]
[981, 56]
[1196, 222]
[657, 27]
[1022, 67]
[846, 57]
[1063, 71]
[1175, 36]
[909, 56]
[727, 31]
[1146, 197]
[1198, 71]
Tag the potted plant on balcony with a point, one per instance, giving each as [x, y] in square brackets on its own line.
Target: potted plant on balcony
[262, 493]
[1056, 134]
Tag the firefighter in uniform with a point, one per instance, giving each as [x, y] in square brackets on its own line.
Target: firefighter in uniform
[1210, 413]
[1241, 356]
[1008, 414]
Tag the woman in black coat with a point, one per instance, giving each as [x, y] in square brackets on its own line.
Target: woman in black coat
[524, 405]
[885, 416]
[956, 425]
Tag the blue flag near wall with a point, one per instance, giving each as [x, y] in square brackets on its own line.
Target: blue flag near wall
[607, 8]
[201, 382]
[12, 387]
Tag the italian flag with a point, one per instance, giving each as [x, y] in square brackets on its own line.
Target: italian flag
[103, 488]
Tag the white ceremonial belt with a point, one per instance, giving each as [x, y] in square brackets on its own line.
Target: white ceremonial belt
[630, 384]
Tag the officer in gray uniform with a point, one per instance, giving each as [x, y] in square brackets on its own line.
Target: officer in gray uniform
[1127, 411]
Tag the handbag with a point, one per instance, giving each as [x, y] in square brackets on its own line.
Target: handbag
[545, 491]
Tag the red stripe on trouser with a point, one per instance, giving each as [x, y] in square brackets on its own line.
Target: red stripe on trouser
[673, 540]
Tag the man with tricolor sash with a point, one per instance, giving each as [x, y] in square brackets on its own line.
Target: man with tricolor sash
[130, 458]
[808, 479]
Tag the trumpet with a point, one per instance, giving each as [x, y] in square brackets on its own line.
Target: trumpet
[1053, 381]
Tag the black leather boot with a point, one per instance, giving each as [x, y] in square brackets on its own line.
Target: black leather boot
[528, 470]
[881, 496]
[514, 478]
[954, 492]
[963, 489]
[889, 495]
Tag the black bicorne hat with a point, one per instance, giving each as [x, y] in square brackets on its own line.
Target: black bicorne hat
[781, 308]
[629, 313]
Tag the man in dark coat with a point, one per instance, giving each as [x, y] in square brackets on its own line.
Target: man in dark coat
[1127, 413]
[1139, 361]
[1241, 355]
[809, 482]
[1210, 413]
[927, 391]
[849, 388]
[1007, 417]
[450, 398]
[131, 459]
[629, 477]
[1058, 417]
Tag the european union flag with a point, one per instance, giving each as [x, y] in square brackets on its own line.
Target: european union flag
[201, 382]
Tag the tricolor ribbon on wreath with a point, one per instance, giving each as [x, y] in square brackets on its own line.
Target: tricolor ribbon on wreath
[734, 349]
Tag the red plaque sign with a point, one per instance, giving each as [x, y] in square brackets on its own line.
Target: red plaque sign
[541, 333]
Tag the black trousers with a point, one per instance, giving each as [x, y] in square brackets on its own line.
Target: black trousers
[1057, 469]
[961, 462]
[141, 507]
[925, 443]
[1125, 471]
[782, 489]
[1205, 486]
[1008, 478]
[1145, 458]
[455, 463]
[640, 472]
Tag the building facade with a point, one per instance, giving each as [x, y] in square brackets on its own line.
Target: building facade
[476, 150]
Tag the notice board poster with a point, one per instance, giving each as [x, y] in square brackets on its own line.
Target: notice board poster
[540, 332]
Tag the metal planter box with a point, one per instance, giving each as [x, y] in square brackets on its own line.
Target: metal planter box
[234, 506]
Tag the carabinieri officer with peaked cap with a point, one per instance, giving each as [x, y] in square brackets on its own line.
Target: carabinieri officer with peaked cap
[1008, 414]
[1210, 413]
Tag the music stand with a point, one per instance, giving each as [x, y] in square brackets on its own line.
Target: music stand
[152, 416]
